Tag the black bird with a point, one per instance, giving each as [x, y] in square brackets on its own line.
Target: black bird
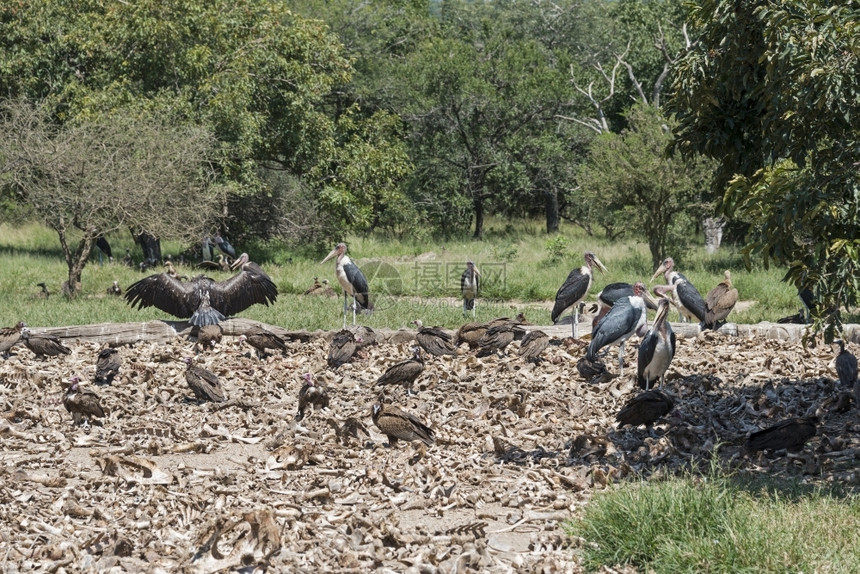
[405, 372]
[204, 300]
[720, 301]
[397, 424]
[657, 349]
[43, 345]
[9, 337]
[790, 434]
[205, 384]
[497, 338]
[645, 408]
[82, 404]
[108, 363]
[627, 316]
[470, 333]
[352, 280]
[127, 260]
[434, 340]
[114, 289]
[470, 287]
[224, 246]
[846, 365]
[208, 249]
[690, 301]
[43, 293]
[104, 247]
[575, 289]
[341, 349]
[313, 394]
[261, 339]
[533, 344]
[615, 291]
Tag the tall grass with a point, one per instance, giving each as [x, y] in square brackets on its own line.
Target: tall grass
[720, 525]
[415, 278]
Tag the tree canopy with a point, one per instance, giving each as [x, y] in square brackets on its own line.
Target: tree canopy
[772, 92]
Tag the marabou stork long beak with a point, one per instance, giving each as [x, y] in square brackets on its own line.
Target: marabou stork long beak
[333, 253]
[649, 300]
[660, 271]
[662, 311]
[600, 265]
[241, 260]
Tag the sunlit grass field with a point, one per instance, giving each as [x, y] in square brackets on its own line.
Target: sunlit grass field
[415, 278]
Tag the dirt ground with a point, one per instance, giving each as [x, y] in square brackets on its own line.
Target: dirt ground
[165, 484]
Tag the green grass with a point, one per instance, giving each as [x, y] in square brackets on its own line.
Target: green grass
[522, 269]
[720, 525]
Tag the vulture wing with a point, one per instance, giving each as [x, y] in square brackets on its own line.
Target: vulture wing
[167, 294]
[248, 287]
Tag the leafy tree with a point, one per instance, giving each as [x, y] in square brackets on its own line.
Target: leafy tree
[94, 178]
[251, 72]
[632, 187]
[772, 92]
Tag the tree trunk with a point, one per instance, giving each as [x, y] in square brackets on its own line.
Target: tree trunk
[551, 197]
[713, 227]
[76, 261]
[478, 204]
[151, 247]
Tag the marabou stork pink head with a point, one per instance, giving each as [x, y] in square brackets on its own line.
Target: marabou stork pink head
[665, 267]
[592, 260]
[338, 250]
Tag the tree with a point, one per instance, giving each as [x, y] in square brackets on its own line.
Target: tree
[630, 185]
[772, 92]
[94, 178]
[251, 72]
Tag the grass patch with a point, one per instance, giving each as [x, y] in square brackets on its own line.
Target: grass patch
[522, 269]
[720, 524]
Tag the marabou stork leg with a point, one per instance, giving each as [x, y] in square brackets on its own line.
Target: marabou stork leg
[574, 321]
[345, 305]
[621, 358]
[354, 306]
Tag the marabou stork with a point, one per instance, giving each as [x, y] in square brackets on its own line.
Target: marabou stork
[352, 280]
[626, 317]
[689, 300]
[720, 301]
[846, 365]
[208, 249]
[224, 246]
[104, 247]
[204, 300]
[574, 289]
[656, 349]
[469, 287]
[615, 291]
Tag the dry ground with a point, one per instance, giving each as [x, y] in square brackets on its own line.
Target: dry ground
[164, 484]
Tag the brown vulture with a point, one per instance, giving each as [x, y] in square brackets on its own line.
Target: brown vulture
[404, 372]
[43, 345]
[203, 300]
[790, 434]
[107, 365]
[720, 301]
[645, 408]
[203, 383]
[9, 337]
[311, 394]
[261, 339]
[82, 404]
[434, 340]
[398, 424]
[341, 349]
[533, 344]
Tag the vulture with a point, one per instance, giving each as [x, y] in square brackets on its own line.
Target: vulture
[720, 301]
[589, 369]
[114, 289]
[311, 393]
[341, 349]
[396, 424]
[320, 288]
[43, 293]
[434, 340]
[203, 300]
[261, 339]
[107, 365]
[208, 336]
[203, 383]
[645, 408]
[82, 404]
[790, 434]
[470, 333]
[846, 365]
[43, 345]
[221, 265]
[404, 372]
[498, 337]
[127, 260]
[533, 344]
[9, 337]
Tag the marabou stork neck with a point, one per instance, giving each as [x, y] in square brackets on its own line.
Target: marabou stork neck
[690, 302]
[657, 349]
[469, 285]
[615, 291]
[626, 317]
[352, 280]
[574, 289]
[224, 246]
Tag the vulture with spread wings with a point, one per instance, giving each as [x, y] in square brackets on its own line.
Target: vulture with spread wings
[204, 300]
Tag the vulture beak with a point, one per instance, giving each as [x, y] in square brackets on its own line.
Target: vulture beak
[329, 256]
[660, 271]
